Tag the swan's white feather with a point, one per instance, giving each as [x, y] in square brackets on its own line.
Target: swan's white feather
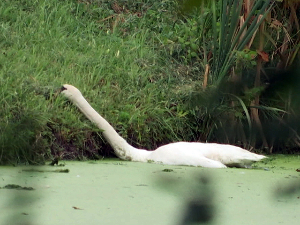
[226, 154]
[210, 155]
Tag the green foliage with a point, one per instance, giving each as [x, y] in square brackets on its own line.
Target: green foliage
[246, 58]
[231, 35]
[21, 127]
[231, 38]
[45, 44]
[139, 63]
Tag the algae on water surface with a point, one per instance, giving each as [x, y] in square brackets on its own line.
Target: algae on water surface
[113, 192]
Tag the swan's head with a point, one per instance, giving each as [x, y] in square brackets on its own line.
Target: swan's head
[70, 92]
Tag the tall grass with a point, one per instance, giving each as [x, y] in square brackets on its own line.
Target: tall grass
[241, 50]
[45, 44]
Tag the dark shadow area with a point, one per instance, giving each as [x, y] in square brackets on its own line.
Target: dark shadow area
[200, 208]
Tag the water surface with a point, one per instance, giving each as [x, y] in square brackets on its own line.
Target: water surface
[115, 192]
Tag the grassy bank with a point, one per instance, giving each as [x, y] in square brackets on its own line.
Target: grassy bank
[116, 61]
[151, 71]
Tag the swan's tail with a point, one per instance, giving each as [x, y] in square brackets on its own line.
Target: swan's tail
[246, 161]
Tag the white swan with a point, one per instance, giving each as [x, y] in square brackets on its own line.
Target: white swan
[180, 153]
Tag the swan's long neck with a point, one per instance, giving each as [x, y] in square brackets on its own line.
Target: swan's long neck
[122, 149]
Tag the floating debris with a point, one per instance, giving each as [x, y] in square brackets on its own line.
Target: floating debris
[17, 187]
[54, 161]
[43, 171]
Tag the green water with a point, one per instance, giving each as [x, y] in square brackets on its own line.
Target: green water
[115, 192]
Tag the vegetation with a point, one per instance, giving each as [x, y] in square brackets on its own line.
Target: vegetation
[151, 68]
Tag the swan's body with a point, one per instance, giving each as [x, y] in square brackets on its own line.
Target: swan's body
[180, 153]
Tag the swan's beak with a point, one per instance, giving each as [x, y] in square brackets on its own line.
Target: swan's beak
[58, 91]
[62, 89]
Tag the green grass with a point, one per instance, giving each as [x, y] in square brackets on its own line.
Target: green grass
[139, 63]
[121, 71]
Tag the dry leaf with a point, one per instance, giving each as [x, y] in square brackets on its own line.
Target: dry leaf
[263, 55]
[277, 23]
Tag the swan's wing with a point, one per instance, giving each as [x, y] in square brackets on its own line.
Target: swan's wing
[180, 154]
[204, 154]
